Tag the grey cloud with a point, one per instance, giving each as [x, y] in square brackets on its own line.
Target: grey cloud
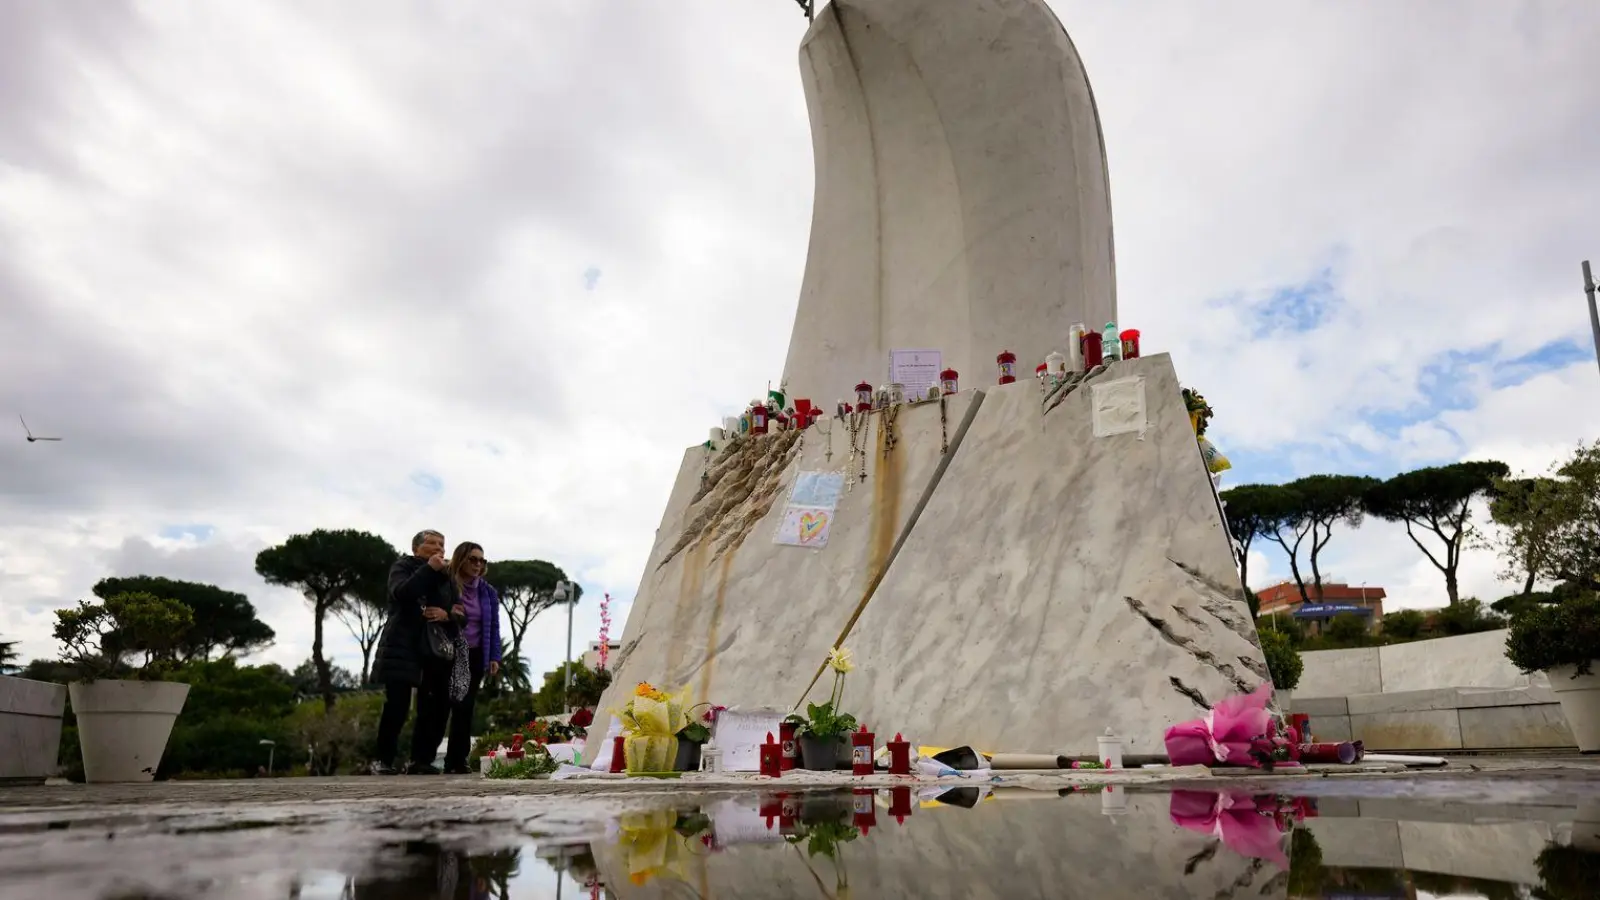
[40, 45]
[259, 263]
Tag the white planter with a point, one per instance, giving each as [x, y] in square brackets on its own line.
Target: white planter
[30, 729]
[1580, 703]
[123, 727]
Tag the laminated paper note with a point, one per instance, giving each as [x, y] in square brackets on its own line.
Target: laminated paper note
[1119, 407]
[817, 489]
[916, 370]
[804, 526]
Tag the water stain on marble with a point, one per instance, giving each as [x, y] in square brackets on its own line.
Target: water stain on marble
[712, 649]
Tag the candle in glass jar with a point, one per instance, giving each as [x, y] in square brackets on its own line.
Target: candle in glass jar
[1091, 350]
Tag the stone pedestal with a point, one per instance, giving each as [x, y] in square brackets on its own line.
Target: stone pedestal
[1006, 577]
[30, 729]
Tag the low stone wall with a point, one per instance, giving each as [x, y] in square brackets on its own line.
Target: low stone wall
[1494, 842]
[1469, 660]
[30, 728]
[1442, 720]
[1449, 694]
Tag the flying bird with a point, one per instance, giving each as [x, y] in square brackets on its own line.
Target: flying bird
[29, 432]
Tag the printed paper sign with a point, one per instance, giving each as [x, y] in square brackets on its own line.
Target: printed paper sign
[804, 526]
[918, 370]
[817, 489]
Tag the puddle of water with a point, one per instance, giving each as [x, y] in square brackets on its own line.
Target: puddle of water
[1346, 843]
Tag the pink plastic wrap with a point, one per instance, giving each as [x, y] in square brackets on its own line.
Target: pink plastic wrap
[1223, 736]
[1238, 820]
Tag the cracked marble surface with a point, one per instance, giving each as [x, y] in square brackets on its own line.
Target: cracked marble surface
[1058, 584]
[1023, 592]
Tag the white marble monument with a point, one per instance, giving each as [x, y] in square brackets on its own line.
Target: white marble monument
[962, 200]
[1010, 575]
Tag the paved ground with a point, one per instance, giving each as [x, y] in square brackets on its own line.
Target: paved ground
[1499, 779]
[301, 790]
[1494, 778]
[248, 839]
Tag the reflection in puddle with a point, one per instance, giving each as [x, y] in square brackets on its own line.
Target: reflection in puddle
[894, 843]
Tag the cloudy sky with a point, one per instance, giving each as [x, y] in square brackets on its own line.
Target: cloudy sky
[489, 267]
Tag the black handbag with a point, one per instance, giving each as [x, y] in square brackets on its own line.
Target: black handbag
[441, 645]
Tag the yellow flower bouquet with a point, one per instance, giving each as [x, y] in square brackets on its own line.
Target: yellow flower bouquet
[652, 847]
[651, 721]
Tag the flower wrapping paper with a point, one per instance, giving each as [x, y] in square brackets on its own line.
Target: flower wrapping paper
[1224, 736]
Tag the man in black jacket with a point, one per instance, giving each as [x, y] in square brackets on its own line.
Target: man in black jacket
[419, 592]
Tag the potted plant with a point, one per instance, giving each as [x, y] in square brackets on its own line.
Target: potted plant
[1563, 640]
[822, 729]
[125, 713]
[1283, 664]
[1567, 873]
[693, 736]
[824, 837]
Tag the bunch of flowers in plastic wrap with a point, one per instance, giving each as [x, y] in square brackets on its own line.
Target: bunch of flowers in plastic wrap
[652, 846]
[1249, 825]
[651, 720]
[1199, 410]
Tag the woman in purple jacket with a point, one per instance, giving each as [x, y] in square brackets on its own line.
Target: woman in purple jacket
[481, 634]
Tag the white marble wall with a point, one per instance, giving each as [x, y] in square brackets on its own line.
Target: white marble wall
[1059, 584]
[750, 627]
[1054, 585]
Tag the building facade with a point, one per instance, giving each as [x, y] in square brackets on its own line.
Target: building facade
[1333, 599]
[591, 656]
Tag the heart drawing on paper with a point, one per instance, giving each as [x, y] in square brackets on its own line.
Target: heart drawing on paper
[811, 525]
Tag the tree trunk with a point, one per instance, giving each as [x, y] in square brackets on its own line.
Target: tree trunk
[1299, 580]
[366, 664]
[1527, 584]
[324, 673]
[1244, 564]
[1451, 589]
[516, 637]
[1316, 570]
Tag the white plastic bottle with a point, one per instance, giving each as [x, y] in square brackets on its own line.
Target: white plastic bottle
[1075, 347]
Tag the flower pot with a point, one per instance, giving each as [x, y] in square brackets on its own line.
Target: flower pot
[30, 729]
[818, 754]
[1580, 703]
[688, 758]
[123, 727]
[649, 753]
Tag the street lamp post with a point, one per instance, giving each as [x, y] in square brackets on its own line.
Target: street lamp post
[272, 747]
[1594, 312]
[567, 592]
